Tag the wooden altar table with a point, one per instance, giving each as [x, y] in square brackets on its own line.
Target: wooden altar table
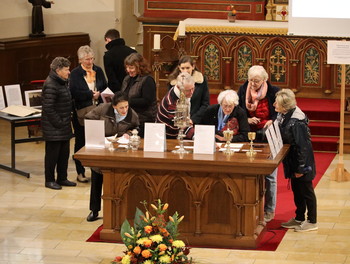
[221, 196]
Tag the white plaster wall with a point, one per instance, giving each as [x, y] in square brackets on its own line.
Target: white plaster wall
[89, 16]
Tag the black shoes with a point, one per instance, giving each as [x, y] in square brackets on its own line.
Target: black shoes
[93, 216]
[67, 183]
[53, 185]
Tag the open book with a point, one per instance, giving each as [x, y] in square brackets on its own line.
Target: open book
[21, 110]
[107, 95]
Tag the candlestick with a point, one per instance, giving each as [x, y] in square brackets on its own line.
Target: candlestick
[156, 41]
[182, 29]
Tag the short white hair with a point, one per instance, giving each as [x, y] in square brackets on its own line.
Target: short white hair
[257, 70]
[230, 96]
[83, 51]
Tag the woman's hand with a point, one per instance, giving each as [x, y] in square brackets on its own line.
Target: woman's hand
[220, 138]
[268, 123]
[253, 120]
[96, 95]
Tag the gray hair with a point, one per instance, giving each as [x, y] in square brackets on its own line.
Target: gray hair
[59, 63]
[184, 78]
[230, 96]
[84, 51]
[257, 70]
[286, 99]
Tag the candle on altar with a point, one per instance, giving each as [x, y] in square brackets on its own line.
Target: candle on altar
[182, 29]
[156, 41]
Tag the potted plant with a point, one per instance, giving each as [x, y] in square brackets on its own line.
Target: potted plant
[231, 15]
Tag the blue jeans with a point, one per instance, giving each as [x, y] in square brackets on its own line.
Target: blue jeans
[271, 192]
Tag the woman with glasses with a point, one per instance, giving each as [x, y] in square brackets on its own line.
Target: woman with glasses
[227, 114]
[86, 83]
[256, 97]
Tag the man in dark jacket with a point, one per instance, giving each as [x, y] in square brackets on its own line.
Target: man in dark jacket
[114, 58]
[56, 124]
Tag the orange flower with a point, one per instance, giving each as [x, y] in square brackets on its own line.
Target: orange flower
[162, 247]
[137, 250]
[164, 232]
[147, 243]
[146, 253]
[118, 259]
[148, 229]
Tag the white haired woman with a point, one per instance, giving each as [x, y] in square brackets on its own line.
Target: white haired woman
[299, 164]
[256, 97]
[86, 83]
[227, 114]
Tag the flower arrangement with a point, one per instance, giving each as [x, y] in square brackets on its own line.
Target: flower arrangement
[231, 15]
[153, 240]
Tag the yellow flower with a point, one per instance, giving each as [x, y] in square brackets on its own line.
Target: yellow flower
[156, 238]
[141, 240]
[165, 259]
[148, 262]
[178, 244]
[126, 259]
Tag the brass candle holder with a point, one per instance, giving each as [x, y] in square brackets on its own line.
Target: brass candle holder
[228, 135]
[251, 152]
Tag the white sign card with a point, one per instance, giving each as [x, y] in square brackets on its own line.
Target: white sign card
[94, 133]
[338, 52]
[204, 139]
[155, 139]
[271, 143]
[13, 94]
[274, 138]
[2, 99]
[33, 98]
[278, 134]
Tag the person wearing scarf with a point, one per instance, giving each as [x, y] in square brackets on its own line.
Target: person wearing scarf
[86, 83]
[227, 114]
[256, 97]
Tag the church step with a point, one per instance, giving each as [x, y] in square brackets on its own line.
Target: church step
[329, 144]
[320, 109]
[322, 128]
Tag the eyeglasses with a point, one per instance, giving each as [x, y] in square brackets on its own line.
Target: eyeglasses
[89, 59]
[227, 106]
[255, 81]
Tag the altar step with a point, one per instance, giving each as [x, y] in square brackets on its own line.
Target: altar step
[324, 116]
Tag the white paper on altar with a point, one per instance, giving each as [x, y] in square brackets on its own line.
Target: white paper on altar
[2, 99]
[204, 139]
[13, 94]
[338, 52]
[154, 139]
[271, 143]
[278, 134]
[94, 133]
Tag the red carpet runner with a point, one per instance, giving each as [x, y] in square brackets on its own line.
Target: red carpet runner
[284, 210]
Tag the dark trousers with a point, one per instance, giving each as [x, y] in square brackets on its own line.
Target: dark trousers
[56, 157]
[304, 198]
[79, 133]
[96, 191]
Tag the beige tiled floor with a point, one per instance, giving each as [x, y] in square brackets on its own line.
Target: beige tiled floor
[39, 225]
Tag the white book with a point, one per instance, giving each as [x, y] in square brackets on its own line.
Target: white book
[107, 95]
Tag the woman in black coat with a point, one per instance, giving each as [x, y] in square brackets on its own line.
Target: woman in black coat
[56, 124]
[87, 82]
[299, 164]
[227, 114]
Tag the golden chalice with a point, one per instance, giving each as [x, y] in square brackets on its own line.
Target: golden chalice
[228, 135]
[251, 152]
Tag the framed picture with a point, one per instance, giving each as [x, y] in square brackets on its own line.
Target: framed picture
[33, 98]
[2, 99]
[13, 94]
